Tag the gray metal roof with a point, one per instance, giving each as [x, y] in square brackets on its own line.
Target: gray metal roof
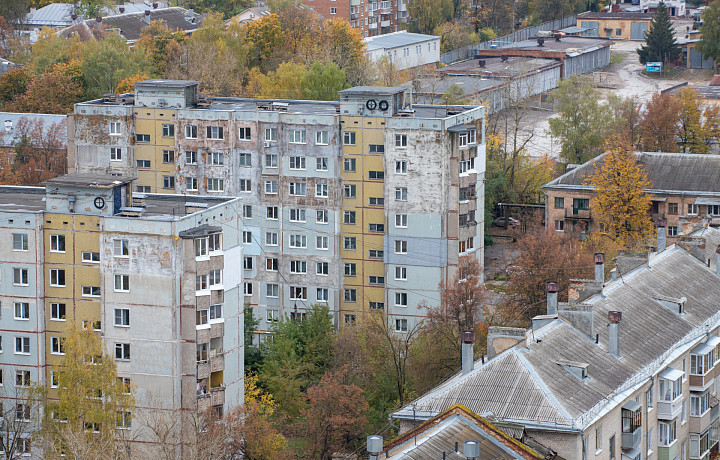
[373, 90]
[59, 14]
[526, 385]
[397, 40]
[10, 134]
[667, 172]
[89, 180]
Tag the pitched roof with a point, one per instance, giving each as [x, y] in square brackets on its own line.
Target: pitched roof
[527, 385]
[131, 25]
[667, 172]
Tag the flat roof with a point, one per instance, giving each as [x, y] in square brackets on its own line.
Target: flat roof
[373, 90]
[615, 16]
[159, 82]
[566, 44]
[396, 40]
[22, 199]
[513, 65]
[89, 180]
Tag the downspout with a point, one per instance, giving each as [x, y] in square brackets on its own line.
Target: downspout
[584, 451]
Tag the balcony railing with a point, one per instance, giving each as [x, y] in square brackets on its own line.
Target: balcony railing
[668, 410]
[217, 396]
[631, 440]
[577, 213]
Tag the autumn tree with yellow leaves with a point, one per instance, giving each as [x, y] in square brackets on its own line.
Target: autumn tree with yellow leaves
[620, 202]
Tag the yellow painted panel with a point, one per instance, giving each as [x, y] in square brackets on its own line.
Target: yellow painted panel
[86, 276]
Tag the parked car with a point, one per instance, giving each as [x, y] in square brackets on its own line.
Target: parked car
[500, 222]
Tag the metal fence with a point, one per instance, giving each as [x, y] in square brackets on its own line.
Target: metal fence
[517, 36]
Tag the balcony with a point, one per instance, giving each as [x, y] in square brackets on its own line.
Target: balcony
[217, 329]
[668, 410]
[631, 440]
[217, 396]
[203, 370]
[631, 425]
[354, 16]
[698, 424]
[671, 393]
[372, 25]
[203, 402]
[577, 214]
[384, 24]
[217, 363]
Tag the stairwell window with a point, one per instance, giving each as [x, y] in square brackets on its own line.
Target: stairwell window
[190, 132]
[349, 138]
[168, 130]
[115, 154]
[322, 138]
[401, 140]
[115, 128]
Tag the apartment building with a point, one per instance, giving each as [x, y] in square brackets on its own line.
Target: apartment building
[684, 190]
[147, 273]
[628, 370]
[327, 187]
[371, 18]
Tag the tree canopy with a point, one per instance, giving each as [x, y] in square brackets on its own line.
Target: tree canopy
[660, 44]
[709, 44]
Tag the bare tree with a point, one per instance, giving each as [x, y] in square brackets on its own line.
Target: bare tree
[19, 416]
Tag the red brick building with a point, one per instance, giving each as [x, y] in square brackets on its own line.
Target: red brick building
[369, 17]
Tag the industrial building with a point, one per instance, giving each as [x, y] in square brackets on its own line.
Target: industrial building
[403, 49]
[148, 273]
[362, 204]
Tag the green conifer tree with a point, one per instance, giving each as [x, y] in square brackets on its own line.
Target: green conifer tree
[660, 44]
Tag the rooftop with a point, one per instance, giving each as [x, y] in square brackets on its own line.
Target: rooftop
[496, 66]
[568, 45]
[176, 83]
[667, 172]
[526, 384]
[372, 90]
[396, 40]
[88, 180]
[11, 125]
[60, 14]
[616, 16]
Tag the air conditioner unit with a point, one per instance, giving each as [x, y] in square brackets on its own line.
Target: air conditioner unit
[267, 143]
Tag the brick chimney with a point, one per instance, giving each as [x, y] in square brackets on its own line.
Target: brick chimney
[552, 290]
[147, 16]
[614, 333]
[661, 235]
[468, 359]
[600, 267]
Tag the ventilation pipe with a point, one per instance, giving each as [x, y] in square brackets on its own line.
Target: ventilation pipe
[661, 235]
[468, 361]
[147, 16]
[191, 10]
[600, 267]
[471, 450]
[374, 446]
[552, 290]
[614, 333]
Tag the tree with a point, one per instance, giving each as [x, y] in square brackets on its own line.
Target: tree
[287, 82]
[452, 95]
[127, 85]
[14, 10]
[695, 128]
[660, 44]
[105, 63]
[659, 124]
[40, 154]
[92, 8]
[709, 44]
[335, 416]
[547, 10]
[92, 405]
[626, 119]
[19, 417]
[260, 440]
[582, 122]
[253, 354]
[264, 36]
[323, 81]
[428, 14]
[154, 41]
[620, 201]
[53, 92]
[13, 84]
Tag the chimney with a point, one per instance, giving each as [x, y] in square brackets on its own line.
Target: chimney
[661, 235]
[468, 360]
[717, 261]
[614, 333]
[552, 290]
[147, 16]
[122, 9]
[98, 19]
[155, 5]
[600, 267]
[191, 10]
[73, 17]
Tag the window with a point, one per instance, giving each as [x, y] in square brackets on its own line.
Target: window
[90, 257]
[122, 351]
[322, 268]
[143, 164]
[115, 154]
[618, 32]
[57, 345]
[20, 241]
[297, 136]
[321, 242]
[401, 220]
[201, 283]
[349, 138]
[122, 317]
[322, 216]
[559, 225]
[214, 132]
[667, 432]
[376, 254]
[22, 345]
[672, 208]
[22, 412]
[401, 193]
[91, 291]
[400, 247]
[349, 217]
[247, 263]
[272, 315]
[20, 276]
[349, 165]
[598, 439]
[216, 158]
[120, 248]
[245, 185]
[271, 238]
[190, 132]
[322, 138]
[124, 420]
[298, 241]
[298, 188]
[168, 181]
[401, 299]
[670, 390]
[377, 228]
[22, 310]
[215, 185]
[322, 294]
[321, 164]
[297, 163]
[271, 161]
[333, 10]
[168, 130]
[692, 209]
[247, 237]
[350, 243]
[349, 190]
[401, 325]
[401, 140]
[649, 399]
[115, 128]
[401, 167]
[247, 211]
[192, 184]
[190, 157]
[215, 277]
[611, 447]
[376, 148]
[350, 269]
[168, 156]
[321, 190]
[271, 134]
[54, 379]
[272, 290]
[271, 187]
[57, 243]
[672, 230]
[377, 305]
[700, 403]
[401, 273]
[244, 134]
[298, 293]
[122, 283]
[272, 212]
[377, 280]
[580, 203]
[559, 202]
[713, 209]
[350, 295]
[142, 137]
[57, 311]
[376, 175]
[271, 265]
[297, 215]
[467, 165]
[376, 201]
[57, 277]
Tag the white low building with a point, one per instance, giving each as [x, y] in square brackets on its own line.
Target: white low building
[404, 49]
[676, 8]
